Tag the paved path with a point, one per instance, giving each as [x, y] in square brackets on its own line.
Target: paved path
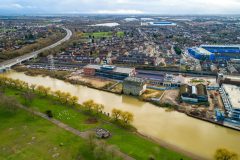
[66, 127]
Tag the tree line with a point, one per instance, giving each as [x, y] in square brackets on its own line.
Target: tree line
[29, 91]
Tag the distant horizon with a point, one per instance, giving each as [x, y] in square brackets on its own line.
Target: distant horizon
[108, 14]
[121, 7]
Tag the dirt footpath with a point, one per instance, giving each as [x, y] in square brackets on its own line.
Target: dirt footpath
[170, 97]
[95, 81]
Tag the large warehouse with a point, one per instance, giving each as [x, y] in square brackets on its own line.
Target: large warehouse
[108, 71]
[162, 23]
[201, 54]
[230, 96]
[193, 93]
[215, 52]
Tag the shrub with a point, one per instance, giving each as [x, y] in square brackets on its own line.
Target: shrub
[224, 154]
[49, 113]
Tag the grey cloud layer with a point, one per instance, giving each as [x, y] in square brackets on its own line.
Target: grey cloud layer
[122, 6]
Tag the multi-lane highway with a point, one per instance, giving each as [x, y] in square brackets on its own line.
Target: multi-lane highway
[9, 63]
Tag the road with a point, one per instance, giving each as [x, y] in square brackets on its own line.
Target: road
[14, 61]
[143, 34]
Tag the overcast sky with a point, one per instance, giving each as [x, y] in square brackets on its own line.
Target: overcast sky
[120, 6]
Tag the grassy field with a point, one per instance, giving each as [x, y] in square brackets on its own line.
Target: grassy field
[60, 112]
[7, 30]
[127, 141]
[24, 137]
[197, 80]
[103, 34]
[139, 147]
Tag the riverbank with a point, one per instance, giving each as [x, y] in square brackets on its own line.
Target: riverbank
[128, 141]
[64, 75]
[214, 122]
[171, 127]
[173, 147]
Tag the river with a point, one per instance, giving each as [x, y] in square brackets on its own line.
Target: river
[195, 136]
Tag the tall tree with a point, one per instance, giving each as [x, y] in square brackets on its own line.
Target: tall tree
[28, 97]
[224, 154]
[89, 104]
[73, 100]
[116, 113]
[127, 117]
[98, 107]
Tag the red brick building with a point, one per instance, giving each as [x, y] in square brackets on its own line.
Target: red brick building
[89, 71]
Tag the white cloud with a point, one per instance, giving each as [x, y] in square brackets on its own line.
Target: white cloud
[17, 5]
[123, 1]
[11, 6]
[124, 6]
[119, 11]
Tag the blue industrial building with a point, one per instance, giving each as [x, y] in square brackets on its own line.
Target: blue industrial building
[219, 115]
[162, 23]
[215, 52]
[201, 54]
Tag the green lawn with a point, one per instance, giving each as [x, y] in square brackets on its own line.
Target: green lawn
[120, 34]
[127, 141]
[197, 81]
[7, 30]
[24, 137]
[103, 34]
[139, 147]
[60, 112]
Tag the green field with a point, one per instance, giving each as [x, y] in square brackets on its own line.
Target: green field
[98, 35]
[197, 81]
[24, 137]
[127, 141]
[7, 30]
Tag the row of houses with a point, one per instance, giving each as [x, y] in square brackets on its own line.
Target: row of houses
[16, 36]
[132, 58]
[136, 58]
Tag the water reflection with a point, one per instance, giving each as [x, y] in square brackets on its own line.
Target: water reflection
[128, 100]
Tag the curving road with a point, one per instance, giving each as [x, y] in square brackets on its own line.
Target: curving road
[17, 60]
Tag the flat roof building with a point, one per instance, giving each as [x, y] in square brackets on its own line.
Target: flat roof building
[201, 54]
[162, 23]
[134, 86]
[108, 71]
[214, 52]
[231, 100]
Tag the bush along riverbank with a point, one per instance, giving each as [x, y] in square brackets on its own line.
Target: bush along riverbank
[87, 117]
